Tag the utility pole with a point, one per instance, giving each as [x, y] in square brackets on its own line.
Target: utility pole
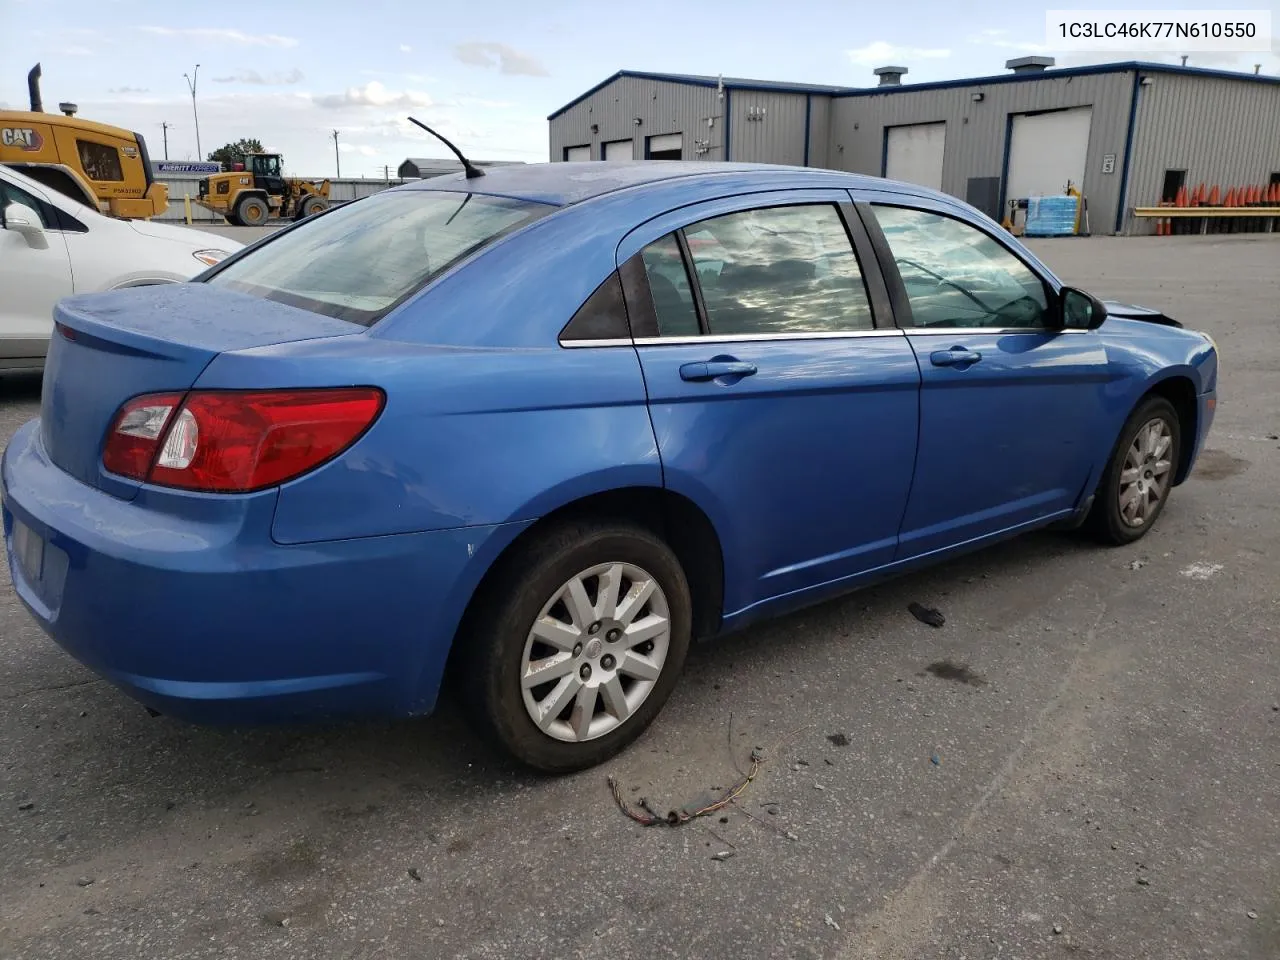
[191, 84]
[164, 126]
[337, 161]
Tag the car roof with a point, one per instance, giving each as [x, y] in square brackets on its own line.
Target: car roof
[563, 184]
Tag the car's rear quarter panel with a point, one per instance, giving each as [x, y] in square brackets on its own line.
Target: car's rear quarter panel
[468, 436]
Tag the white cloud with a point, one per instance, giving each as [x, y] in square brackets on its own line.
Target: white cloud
[224, 35]
[265, 80]
[373, 94]
[405, 48]
[128, 90]
[73, 51]
[361, 148]
[506, 59]
[999, 39]
[291, 121]
[882, 54]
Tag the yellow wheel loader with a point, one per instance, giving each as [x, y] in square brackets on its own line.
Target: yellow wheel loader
[100, 165]
[249, 197]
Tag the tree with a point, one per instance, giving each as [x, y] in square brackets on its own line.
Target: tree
[234, 153]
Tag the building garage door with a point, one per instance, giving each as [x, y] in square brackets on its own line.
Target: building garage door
[914, 153]
[574, 154]
[618, 150]
[669, 146]
[1046, 150]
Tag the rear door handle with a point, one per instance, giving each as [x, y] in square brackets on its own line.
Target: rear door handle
[711, 369]
[954, 357]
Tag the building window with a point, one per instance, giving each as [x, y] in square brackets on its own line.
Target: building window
[100, 162]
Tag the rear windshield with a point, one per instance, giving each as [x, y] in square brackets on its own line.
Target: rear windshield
[359, 261]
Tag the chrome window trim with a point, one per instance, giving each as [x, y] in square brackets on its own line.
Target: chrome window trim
[973, 331]
[767, 337]
[604, 342]
[740, 338]
[824, 335]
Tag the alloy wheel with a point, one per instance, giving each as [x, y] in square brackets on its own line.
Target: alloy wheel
[595, 652]
[1147, 470]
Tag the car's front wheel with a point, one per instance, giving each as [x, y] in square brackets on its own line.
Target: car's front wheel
[576, 642]
[1139, 476]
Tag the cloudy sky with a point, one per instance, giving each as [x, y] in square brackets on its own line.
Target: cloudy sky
[486, 71]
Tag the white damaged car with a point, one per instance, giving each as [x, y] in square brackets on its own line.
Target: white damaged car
[52, 246]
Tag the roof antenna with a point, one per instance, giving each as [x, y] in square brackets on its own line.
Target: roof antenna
[468, 167]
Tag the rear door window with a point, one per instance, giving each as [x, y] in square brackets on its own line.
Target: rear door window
[763, 272]
[359, 261]
[779, 270]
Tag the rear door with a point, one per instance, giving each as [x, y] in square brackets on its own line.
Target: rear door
[778, 403]
[1010, 406]
[32, 278]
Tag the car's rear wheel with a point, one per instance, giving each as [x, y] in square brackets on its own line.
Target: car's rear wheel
[576, 642]
[252, 211]
[1139, 476]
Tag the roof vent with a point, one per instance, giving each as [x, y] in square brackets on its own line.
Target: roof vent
[1029, 64]
[889, 76]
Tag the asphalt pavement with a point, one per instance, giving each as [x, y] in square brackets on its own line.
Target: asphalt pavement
[1083, 761]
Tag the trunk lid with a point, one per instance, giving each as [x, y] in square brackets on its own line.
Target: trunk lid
[109, 347]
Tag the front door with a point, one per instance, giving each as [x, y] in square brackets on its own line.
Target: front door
[33, 277]
[1010, 405]
[778, 404]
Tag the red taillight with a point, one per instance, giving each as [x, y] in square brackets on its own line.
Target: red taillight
[136, 433]
[236, 441]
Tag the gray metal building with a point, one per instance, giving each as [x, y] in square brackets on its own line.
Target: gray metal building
[1125, 134]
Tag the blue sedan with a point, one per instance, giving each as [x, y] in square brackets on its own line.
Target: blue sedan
[548, 425]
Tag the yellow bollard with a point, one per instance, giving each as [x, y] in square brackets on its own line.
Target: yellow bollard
[186, 202]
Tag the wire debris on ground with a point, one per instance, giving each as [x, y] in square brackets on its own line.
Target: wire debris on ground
[644, 814]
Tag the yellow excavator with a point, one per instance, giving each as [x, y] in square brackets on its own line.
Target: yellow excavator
[256, 190]
[100, 165]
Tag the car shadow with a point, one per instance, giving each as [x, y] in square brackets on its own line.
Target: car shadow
[443, 751]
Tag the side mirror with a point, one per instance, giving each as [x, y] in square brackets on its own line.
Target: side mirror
[1080, 310]
[20, 218]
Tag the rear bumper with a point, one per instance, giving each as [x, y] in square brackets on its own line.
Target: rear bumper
[197, 613]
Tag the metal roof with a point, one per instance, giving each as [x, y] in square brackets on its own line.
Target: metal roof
[739, 83]
[698, 80]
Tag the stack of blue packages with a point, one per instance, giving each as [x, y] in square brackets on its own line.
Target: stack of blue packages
[1053, 216]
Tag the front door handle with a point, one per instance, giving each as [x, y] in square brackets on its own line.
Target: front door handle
[712, 369]
[956, 356]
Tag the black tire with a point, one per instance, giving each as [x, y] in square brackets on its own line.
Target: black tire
[313, 205]
[252, 211]
[503, 614]
[1106, 522]
[233, 220]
